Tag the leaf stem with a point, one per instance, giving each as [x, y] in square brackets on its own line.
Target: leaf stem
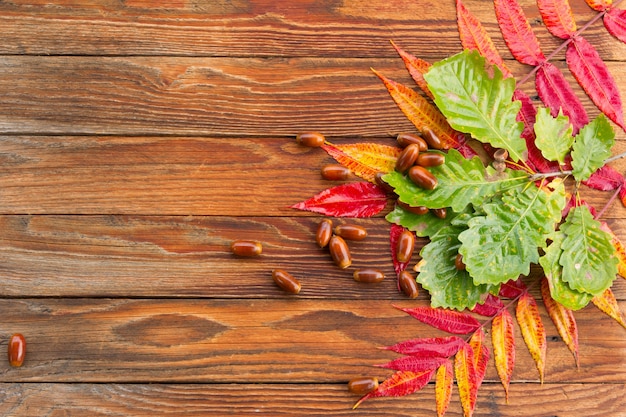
[615, 157]
[608, 203]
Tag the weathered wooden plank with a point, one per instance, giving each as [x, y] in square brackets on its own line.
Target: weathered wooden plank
[156, 256]
[175, 175]
[228, 97]
[190, 400]
[258, 28]
[256, 341]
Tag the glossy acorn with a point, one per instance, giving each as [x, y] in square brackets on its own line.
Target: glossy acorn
[407, 158]
[324, 232]
[340, 252]
[422, 177]
[311, 139]
[17, 350]
[368, 275]
[351, 232]
[335, 172]
[419, 210]
[362, 385]
[458, 262]
[286, 281]
[430, 159]
[408, 285]
[431, 138]
[246, 248]
[405, 139]
[440, 212]
[405, 246]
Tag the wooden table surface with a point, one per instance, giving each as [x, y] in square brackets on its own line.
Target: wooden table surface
[139, 138]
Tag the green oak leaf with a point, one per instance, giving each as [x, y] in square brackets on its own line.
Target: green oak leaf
[477, 99]
[560, 291]
[592, 146]
[424, 225]
[588, 258]
[502, 244]
[448, 287]
[460, 182]
[553, 135]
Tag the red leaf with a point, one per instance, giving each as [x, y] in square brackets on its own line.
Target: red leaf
[399, 384]
[512, 289]
[443, 387]
[605, 179]
[615, 23]
[356, 199]
[394, 235]
[594, 77]
[608, 304]
[529, 319]
[443, 347]
[558, 18]
[622, 193]
[466, 379]
[475, 37]
[365, 159]
[518, 34]
[503, 341]
[490, 307]
[556, 93]
[599, 5]
[415, 363]
[447, 320]
[563, 319]
[481, 355]
[416, 67]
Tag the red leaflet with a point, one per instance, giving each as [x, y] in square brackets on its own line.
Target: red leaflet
[518, 34]
[555, 92]
[466, 379]
[512, 289]
[599, 5]
[481, 355]
[615, 23]
[447, 320]
[443, 387]
[356, 199]
[558, 18]
[490, 307]
[608, 304]
[394, 234]
[474, 36]
[622, 193]
[529, 320]
[594, 77]
[416, 67]
[563, 319]
[605, 179]
[415, 363]
[443, 347]
[503, 341]
[399, 384]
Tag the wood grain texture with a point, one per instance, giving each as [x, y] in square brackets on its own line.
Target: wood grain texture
[260, 341]
[247, 400]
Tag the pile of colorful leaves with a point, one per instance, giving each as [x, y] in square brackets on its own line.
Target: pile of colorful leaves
[502, 221]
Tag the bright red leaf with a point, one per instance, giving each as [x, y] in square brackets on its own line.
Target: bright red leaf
[416, 67]
[414, 363]
[481, 355]
[474, 37]
[503, 342]
[518, 34]
[615, 23]
[356, 199]
[443, 387]
[605, 179]
[490, 307]
[556, 93]
[447, 320]
[594, 77]
[466, 379]
[512, 289]
[529, 320]
[443, 347]
[599, 5]
[399, 384]
[563, 319]
[558, 18]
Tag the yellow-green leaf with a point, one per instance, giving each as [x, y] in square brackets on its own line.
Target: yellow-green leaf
[527, 314]
[563, 319]
[608, 304]
[503, 341]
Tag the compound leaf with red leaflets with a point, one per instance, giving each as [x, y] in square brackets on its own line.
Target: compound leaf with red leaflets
[356, 199]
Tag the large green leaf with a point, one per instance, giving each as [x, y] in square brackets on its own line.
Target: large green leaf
[553, 135]
[502, 244]
[588, 258]
[476, 99]
[424, 225]
[591, 147]
[560, 291]
[460, 182]
[448, 287]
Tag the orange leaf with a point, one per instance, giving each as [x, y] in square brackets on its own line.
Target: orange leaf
[608, 304]
[365, 159]
[563, 319]
[481, 355]
[466, 379]
[558, 17]
[620, 250]
[420, 112]
[503, 341]
[527, 313]
[399, 384]
[416, 67]
[474, 36]
[443, 387]
[599, 5]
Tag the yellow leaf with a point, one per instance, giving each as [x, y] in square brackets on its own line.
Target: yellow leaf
[443, 387]
[365, 159]
[527, 313]
[608, 304]
[503, 341]
[563, 319]
[466, 379]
